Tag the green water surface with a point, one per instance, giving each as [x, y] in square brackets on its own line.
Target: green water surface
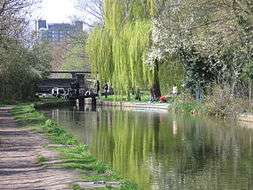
[159, 150]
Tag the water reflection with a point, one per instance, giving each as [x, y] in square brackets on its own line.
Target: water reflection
[160, 151]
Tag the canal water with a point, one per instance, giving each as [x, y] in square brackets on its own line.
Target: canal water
[159, 150]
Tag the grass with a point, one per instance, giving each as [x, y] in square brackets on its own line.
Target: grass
[51, 102]
[145, 97]
[76, 187]
[195, 108]
[74, 155]
[41, 159]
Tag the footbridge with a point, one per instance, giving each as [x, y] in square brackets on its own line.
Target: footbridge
[78, 85]
[64, 79]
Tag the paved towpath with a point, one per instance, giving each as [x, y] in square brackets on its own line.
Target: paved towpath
[19, 165]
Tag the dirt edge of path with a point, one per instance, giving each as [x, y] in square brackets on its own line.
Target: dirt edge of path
[20, 168]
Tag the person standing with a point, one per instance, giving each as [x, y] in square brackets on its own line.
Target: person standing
[106, 88]
[174, 90]
[138, 95]
[98, 87]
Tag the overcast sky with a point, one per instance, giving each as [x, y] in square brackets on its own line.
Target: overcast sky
[56, 11]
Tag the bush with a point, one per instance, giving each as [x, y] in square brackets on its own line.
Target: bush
[185, 103]
[184, 97]
[21, 68]
[222, 103]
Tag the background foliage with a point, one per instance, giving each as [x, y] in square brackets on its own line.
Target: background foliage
[22, 60]
[20, 68]
[117, 49]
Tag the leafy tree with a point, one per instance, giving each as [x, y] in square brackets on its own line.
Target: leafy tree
[75, 58]
[20, 64]
[21, 68]
[93, 8]
[171, 74]
[12, 17]
[117, 50]
[213, 39]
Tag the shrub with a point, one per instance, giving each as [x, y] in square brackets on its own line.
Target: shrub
[222, 103]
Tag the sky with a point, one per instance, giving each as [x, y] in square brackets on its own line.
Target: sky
[56, 11]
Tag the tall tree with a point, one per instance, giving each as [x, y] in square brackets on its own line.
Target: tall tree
[213, 39]
[117, 49]
[13, 15]
[92, 12]
[75, 58]
[20, 65]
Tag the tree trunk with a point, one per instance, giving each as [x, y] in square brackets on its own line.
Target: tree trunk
[155, 91]
[233, 85]
[250, 91]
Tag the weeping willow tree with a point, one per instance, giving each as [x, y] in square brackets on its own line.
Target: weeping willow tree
[117, 50]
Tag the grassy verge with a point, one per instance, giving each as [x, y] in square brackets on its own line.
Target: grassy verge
[51, 103]
[39, 102]
[194, 107]
[73, 154]
[7, 102]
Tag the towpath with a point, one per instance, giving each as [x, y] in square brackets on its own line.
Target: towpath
[20, 150]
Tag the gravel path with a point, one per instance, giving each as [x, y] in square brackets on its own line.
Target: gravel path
[19, 165]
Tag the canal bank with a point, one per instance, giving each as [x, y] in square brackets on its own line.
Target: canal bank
[40, 154]
[194, 108]
[131, 105]
[246, 120]
[135, 105]
[159, 150]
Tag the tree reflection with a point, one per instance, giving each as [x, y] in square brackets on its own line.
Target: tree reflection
[159, 151]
